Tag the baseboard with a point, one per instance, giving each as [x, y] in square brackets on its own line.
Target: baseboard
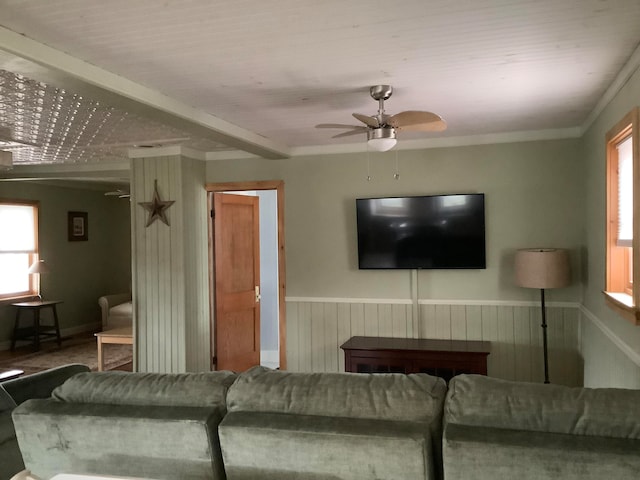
[64, 332]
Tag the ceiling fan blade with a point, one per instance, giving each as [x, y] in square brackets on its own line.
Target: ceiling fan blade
[412, 120]
[367, 120]
[351, 132]
[117, 193]
[337, 125]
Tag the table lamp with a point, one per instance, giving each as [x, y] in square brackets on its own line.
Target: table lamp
[542, 268]
[37, 268]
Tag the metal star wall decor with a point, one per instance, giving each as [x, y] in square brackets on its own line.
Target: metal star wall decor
[157, 208]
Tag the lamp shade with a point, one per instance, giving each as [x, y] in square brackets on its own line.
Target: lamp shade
[381, 139]
[542, 268]
[39, 267]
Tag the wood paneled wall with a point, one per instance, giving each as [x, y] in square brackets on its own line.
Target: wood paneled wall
[170, 279]
[317, 327]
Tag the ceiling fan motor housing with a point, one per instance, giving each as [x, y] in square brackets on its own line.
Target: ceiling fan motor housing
[381, 132]
[381, 92]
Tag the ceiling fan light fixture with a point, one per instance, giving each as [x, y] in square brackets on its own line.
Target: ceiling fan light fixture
[381, 139]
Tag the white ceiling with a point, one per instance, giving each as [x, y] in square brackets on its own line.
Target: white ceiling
[85, 80]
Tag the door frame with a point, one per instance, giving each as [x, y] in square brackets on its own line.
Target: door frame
[278, 186]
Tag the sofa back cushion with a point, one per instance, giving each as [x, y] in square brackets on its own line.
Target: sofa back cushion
[416, 397]
[6, 402]
[161, 389]
[475, 400]
[41, 384]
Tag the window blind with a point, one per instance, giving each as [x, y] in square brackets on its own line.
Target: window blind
[625, 193]
[18, 227]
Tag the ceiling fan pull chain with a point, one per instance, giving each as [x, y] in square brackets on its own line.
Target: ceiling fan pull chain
[368, 166]
[397, 174]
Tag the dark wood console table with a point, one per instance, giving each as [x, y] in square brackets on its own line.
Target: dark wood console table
[442, 358]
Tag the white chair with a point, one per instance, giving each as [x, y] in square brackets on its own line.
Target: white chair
[117, 311]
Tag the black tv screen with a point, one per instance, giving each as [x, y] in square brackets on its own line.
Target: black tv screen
[423, 232]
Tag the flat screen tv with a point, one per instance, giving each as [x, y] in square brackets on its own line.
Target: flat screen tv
[422, 232]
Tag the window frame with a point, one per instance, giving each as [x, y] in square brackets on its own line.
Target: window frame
[33, 286]
[621, 265]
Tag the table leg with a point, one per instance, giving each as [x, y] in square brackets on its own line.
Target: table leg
[15, 330]
[100, 358]
[57, 325]
[36, 326]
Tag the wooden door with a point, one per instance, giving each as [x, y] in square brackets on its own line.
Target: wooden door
[237, 281]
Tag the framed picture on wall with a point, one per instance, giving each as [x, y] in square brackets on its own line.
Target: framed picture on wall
[78, 226]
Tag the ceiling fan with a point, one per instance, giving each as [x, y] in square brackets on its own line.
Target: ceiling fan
[120, 193]
[381, 129]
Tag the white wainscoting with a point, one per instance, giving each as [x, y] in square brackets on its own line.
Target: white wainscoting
[316, 327]
[609, 362]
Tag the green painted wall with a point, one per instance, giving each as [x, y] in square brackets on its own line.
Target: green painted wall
[599, 366]
[534, 197]
[80, 271]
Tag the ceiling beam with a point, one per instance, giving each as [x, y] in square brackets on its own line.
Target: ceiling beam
[107, 171]
[40, 62]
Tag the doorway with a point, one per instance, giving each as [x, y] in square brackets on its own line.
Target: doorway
[273, 292]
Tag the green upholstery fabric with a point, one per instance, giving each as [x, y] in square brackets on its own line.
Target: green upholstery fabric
[332, 425]
[123, 440]
[161, 426]
[122, 388]
[416, 397]
[483, 453]
[41, 384]
[497, 429]
[280, 446]
[13, 392]
[10, 458]
[485, 401]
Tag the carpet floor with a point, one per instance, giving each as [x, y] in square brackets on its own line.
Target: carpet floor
[85, 352]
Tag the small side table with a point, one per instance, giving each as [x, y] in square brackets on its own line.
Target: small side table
[36, 330]
[122, 336]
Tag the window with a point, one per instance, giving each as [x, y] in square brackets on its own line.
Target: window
[623, 194]
[18, 248]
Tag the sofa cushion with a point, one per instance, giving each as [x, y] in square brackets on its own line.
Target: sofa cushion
[41, 384]
[416, 397]
[123, 388]
[483, 401]
[6, 402]
[485, 453]
[10, 458]
[279, 446]
[160, 442]
[124, 309]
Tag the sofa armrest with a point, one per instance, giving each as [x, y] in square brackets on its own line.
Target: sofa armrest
[109, 301]
[41, 384]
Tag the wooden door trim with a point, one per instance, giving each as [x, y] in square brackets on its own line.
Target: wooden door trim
[278, 186]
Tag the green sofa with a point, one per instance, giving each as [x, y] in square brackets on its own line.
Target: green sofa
[13, 393]
[266, 424]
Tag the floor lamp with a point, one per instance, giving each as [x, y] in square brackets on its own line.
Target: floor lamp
[38, 267]
[542, 268]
